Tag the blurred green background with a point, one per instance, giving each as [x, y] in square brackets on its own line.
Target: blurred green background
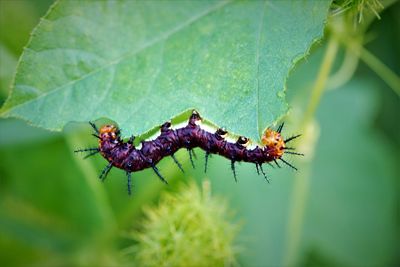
[340, 209]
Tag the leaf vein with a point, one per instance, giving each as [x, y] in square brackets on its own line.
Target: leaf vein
[150, 43]
[258, 65]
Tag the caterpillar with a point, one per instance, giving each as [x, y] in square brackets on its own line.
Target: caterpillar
[125, 156]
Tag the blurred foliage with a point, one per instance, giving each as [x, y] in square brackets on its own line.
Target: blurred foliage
[340, 209]
[17, 19]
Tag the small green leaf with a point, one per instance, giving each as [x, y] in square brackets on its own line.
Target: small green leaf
[141, 63]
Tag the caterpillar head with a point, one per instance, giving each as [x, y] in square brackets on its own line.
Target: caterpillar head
[274, 142]
[109, 132]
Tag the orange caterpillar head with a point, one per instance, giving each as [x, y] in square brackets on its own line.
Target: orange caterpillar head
[274, 141]
[109, 132]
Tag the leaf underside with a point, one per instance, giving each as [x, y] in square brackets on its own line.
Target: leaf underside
[141, 63]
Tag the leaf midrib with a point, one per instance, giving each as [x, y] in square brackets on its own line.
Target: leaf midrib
[258, 65]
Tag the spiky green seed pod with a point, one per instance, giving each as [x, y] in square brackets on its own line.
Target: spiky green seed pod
[189, 228]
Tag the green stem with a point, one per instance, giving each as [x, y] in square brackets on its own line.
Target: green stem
[386, 74]
[302, 180]
[321, 80]
[345, 72]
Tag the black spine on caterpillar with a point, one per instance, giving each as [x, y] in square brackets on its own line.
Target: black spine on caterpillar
[126, 156]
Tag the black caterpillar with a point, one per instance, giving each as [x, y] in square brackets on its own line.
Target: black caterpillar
[126, 156]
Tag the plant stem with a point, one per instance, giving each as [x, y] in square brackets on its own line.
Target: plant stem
[321, 80]
[345, 72]
[386, 74]
[302, 179]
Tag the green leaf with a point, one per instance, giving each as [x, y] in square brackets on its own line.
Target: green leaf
[141, 63]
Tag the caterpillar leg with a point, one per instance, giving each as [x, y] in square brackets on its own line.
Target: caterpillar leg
[177, 163]
[95, 135]
[262, 171]
[94, 126]
[191, 156]
[233, 169]
[287, 163]
[291, 138]
[86, 149]
[206, 161]
[258, 170]
[105, 172]
[129, 182]
[194, 153]
[91, 154]
[270, 164]
[277, 164]
[279, 130]
[93, 151]
[155, 169]
[294, 153]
